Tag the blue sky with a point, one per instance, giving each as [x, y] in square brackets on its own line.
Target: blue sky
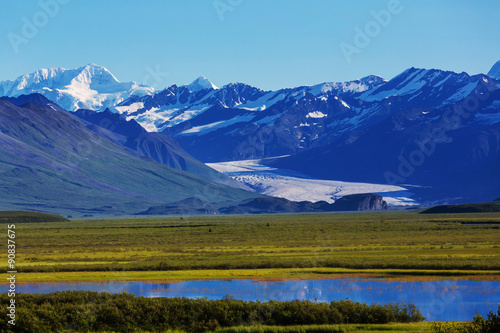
[270, 44]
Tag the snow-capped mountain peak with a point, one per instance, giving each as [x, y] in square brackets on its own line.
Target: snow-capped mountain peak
[201, 83]
[93, 74]
[351, 87]
[495, 71]
[90, 87]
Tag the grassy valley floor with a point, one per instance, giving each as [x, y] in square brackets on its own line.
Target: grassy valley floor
[264, 246]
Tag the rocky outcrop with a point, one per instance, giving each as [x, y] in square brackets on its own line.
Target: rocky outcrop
[271, 205]
[360, 202]
[355, 202]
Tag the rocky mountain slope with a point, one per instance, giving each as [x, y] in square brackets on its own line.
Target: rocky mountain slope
[158, 146]
[495, 71]
[447, 144]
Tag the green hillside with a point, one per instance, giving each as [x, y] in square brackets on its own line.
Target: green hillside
[51, 163]
[483, 207]
[29, 217]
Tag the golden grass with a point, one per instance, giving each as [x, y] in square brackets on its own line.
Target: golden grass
[257, 274]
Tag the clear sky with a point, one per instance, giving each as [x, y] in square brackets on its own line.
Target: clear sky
[266, 43]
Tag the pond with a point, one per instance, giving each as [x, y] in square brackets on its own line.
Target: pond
[444, 300]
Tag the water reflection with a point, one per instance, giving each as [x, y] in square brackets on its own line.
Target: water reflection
[438, 300]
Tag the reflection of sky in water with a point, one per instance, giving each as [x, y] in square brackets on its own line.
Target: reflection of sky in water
[437, 300]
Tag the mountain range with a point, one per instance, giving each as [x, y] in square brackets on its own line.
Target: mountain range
[433, 130]
[87, 87]
[448, 148]
[51, 161]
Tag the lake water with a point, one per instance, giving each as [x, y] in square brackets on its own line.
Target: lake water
[437, 300]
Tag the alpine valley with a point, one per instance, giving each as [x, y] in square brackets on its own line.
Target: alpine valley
[125, 148]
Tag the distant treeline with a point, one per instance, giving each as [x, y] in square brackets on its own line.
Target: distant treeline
[84, 311]
[29, 217]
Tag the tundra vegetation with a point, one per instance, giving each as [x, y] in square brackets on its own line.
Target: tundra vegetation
[442, 244]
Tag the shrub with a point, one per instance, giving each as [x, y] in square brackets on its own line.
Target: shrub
[478, 325]
[84, 311]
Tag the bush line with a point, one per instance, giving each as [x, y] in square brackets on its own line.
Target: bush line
[84, 311]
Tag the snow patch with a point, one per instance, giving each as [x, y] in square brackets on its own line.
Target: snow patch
[204, 129]
[263, 102]
[316, 114]
[345, 104]
[130, 108]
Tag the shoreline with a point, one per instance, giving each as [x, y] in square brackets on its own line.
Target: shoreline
[257, 274]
